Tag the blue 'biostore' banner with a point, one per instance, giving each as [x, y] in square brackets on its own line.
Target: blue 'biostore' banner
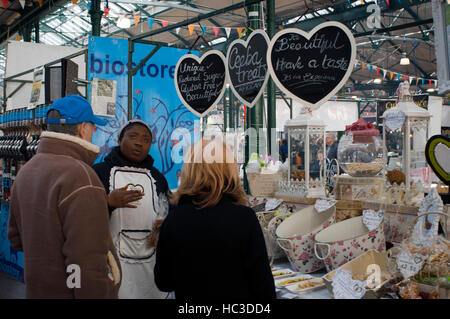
[11, 261]
[155, 100]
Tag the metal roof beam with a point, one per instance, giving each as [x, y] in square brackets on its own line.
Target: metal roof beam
[198, 18]
[170, 5]
[172, 33]
[46, 28]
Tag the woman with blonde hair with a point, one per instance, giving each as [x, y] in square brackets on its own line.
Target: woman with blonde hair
[211, 245]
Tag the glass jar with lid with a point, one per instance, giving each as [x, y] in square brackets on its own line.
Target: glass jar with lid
[360, 150]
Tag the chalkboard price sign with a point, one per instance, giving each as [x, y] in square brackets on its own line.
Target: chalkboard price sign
[247, 67]
[200, 82]
[312, 66]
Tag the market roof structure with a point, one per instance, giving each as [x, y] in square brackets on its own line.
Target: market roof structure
[405, 30]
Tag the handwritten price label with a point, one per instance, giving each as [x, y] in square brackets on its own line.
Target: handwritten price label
[372, 219]
[322, 205]
[409, 265]
[345, 287]
[395, 120]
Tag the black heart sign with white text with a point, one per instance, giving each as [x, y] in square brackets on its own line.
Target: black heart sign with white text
[247, 67]
[312, 66]
[200, 82]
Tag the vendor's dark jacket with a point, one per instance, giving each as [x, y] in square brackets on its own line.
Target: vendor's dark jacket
[213, 253]
[115, 158]
[59, 217]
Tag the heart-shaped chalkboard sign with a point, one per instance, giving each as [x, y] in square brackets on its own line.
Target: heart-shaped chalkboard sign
[247, 67]
[310, 67]
[437, 152]
[200, 82]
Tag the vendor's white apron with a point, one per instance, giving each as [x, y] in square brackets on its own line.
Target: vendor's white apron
[129, 230]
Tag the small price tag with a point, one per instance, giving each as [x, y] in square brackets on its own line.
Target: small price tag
[273, 203]
[289, 295]
[345, 287]
[372, 219]
[409, 265]
[322, 205]
[395, 120]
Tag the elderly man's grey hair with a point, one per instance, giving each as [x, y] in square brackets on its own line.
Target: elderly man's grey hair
[332, 135]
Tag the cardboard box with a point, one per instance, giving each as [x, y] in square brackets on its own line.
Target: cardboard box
[358, 266]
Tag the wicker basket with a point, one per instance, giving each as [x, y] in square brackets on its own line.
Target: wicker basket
[269, 223]
[263, 185]
[346, 209]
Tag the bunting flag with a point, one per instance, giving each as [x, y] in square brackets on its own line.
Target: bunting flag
[40, 3]
[362, 1]
[387, 2]
[411, 79]
[18, 38]
[177, 30]
[378, 71]
[384, 73]
[137, 18]
[227, 31]
[74, 2]
[398, 77]
[383, 92]
[191, 29]
[423, 81]
[435, 83]
[203, 30]
[406, 78]
[392, 75]
[239, 31]
[280, 27]
[22, 3]
[150, 23]
[429, 82]
[164, 23]
[363, 66]
[5, 4]
[106, 11]
[370, 68]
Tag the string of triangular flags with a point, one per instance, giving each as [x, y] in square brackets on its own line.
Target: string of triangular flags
[398, 76]
[190, 27]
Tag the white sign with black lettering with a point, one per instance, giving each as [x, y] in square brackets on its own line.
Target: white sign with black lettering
[345, 287]
[372, 219]
[408, 264]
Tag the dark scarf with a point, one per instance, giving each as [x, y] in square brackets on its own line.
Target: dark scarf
[115, 158]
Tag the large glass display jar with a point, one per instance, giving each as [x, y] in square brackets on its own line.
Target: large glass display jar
[360, 150]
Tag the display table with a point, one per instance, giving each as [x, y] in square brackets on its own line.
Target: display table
[319, 293]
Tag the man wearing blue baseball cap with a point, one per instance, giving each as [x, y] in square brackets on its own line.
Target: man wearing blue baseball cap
[59, 212]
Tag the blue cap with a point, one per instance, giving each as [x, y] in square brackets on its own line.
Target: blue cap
[74, 109]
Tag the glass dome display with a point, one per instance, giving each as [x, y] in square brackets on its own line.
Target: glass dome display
[360, 150]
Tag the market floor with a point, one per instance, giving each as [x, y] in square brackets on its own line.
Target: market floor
[10, 287]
